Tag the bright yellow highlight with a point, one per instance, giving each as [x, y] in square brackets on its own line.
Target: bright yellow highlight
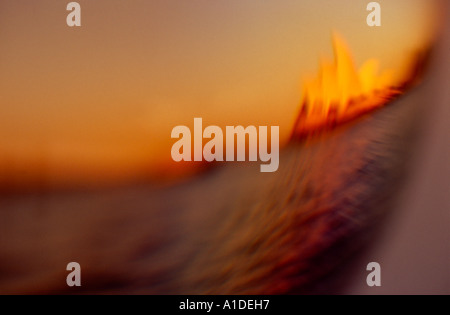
[340, 91]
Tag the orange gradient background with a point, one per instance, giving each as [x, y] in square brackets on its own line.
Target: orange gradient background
[97, 104]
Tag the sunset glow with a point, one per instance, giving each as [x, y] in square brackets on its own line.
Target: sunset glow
[341, 91]
[96, 104]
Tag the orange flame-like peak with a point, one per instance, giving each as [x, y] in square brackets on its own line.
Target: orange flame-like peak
[341, 92]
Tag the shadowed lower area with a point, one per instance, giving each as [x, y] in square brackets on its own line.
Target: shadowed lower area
[232, 230]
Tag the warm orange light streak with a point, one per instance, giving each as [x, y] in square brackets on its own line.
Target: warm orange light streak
[341, 91]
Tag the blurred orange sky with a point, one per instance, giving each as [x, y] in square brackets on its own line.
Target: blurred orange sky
[97, 104]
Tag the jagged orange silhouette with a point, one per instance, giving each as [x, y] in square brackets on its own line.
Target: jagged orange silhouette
[342, 92]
